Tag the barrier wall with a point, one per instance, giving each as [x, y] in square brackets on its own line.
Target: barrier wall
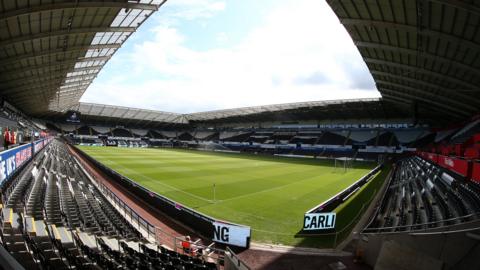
[476, 171]
[336, 200]
[217, 230]
[432, 157]
[460, 166]
[13, 159]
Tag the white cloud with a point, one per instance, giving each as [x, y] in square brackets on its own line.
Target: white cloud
[300, 53]
[194, 9]
[221, 37]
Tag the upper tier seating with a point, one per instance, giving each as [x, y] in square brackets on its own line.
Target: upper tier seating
[186, 137]
[155, 135]
[282, 137]
[235, 136]
[300, 139]
[120, 132]
[329, 138]
[84, 130]
[257, 139]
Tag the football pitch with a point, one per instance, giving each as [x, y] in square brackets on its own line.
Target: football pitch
[269, 194]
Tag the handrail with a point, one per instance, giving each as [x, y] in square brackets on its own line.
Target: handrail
[239, 264]
[7, 261]
[390, 177]
[131, 215]
[427, 225]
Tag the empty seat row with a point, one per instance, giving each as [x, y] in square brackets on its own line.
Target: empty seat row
[422, 195]
[55, 218]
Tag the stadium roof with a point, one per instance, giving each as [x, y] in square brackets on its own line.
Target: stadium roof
[424, 52]
[320, 110]
[369, 108]
[423, 55]
[90, 111]
[52, 50]
[238, 112]
[346, 109]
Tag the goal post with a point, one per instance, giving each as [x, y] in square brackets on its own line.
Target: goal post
[343, 164]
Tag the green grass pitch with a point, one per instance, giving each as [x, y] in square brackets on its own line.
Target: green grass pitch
[270, 194]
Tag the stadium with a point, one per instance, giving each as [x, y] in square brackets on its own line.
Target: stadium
[391, 182]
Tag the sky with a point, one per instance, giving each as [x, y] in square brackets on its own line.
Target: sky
[202, 55]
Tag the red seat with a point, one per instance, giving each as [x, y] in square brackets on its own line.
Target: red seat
[472, 153]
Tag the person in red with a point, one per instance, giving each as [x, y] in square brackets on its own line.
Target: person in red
[12, 137]
[6, 138]
[186, 245]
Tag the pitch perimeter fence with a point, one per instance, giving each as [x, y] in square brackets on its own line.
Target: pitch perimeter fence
[349, 205]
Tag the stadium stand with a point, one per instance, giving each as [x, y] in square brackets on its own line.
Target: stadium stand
[234, 136]
[306, 138]
[84, 130]
[186, 136]
[54, 217]
[329, 138]
[421, 195]
[155, 135]
[121, 132]
[354, 142]
[423, 57]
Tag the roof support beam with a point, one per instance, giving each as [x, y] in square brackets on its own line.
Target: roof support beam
[459, 5]
[446, 117]
[38, 79]
[66, 87]
[55, 84]
[99, 67]
[432, 57]
[409, 68]
[394, 93]
[45, 88]
[57, 67]
[41, 73]
[11, 60]
[424, 83]
[28, 98]
[65, 32]
[38, 98]
[409, 28]
[100, 113]
[418, 92]
[76, 4]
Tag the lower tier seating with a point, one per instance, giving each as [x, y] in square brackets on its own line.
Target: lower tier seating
[55, 218]
[422, 195]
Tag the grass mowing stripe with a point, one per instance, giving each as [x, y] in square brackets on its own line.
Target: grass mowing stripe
[160, 183]
[270, 194]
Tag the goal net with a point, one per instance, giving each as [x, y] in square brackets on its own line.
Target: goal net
[211, 146]
[343, 164]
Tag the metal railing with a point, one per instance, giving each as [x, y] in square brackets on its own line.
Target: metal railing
[431, 227]
[149, 231]
[232, 262]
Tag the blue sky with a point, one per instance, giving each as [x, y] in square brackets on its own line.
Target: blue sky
[194, 55]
